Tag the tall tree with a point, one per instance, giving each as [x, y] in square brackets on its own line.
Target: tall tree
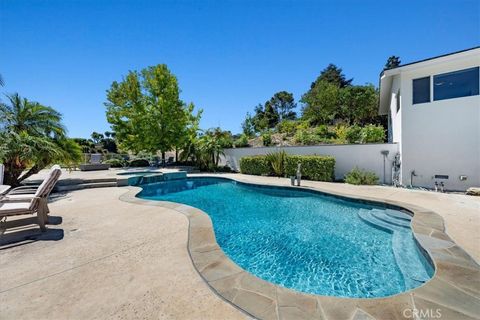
[284, 104]
[392, 62]
[145, 110]
[334, 75]
[321, 103]
[271, 115]
[260, 122]
[97, 137]
[188, 130]
[359, 105]
[248, 127]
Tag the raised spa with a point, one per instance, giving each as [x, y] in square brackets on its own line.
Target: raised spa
[305, 240]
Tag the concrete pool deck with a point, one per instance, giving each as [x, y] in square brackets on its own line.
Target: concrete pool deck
[106, 258]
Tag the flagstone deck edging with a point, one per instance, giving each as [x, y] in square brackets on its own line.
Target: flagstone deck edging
[453, 292]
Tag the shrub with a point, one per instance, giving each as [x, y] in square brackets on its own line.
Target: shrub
[372, 134]
[267, 139]
[276, 160]
[354, 134]
[341, 134]
[324, 133]
[320, 168]
[358, 176]
[256, 165]
[288, 127]
[242, 141]
[306, 137]
[139, 163]
[116, 163]
[305, 124]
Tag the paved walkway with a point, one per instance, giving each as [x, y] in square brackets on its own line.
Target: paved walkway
[106, 258]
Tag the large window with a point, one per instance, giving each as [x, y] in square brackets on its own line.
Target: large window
[421, 90]
[462, 83]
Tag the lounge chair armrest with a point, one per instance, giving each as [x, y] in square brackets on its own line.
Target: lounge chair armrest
[24, 187]
[7, 199]
[23, 191]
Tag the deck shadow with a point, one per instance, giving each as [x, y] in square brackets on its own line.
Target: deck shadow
[22, 231]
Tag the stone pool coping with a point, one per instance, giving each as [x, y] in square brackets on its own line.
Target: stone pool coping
[454, 289]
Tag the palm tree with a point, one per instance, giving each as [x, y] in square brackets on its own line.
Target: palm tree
[31, 117]
[210, 148]
[32, 136]
[2, 82]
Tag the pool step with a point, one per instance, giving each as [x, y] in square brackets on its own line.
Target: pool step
[398, 215]
[409, 260]
[368, 217]
[382, 215]
[405, 250]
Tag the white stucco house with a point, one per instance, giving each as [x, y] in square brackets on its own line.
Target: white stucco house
[433, 107]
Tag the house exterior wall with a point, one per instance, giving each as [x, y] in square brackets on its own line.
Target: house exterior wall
[396, 117]
[439, 137]
[348, 156]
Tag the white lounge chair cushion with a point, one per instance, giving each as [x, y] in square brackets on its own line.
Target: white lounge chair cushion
[18, 197]
[12, 208]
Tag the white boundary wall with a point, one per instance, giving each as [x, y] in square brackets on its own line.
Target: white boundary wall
[347, 156]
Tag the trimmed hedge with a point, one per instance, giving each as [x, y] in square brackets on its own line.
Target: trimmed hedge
[256, 165]
[320, 168]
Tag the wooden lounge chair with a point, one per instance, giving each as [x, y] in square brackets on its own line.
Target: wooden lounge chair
[26, 190]
[31, 204]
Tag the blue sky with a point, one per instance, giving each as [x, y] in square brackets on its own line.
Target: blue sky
[228, 55]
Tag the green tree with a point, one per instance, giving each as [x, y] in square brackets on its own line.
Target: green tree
[210, 147]
[271, 115]
[359, 105]
[321, 103]
[260, 122]
[32, 137]
[145, 110]
[248, 126]
[188, 130]
[392, 62]
[266, 117]
[284, 105]
[97, 137]
[334, 75]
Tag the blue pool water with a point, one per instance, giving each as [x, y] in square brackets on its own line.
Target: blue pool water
[304, 240]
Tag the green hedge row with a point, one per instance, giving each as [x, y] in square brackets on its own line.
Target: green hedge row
[256, 165]
[320, 168]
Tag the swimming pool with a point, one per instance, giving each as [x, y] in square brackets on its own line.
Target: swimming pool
[305, 240]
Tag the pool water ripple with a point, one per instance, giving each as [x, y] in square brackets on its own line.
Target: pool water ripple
[302, 240]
